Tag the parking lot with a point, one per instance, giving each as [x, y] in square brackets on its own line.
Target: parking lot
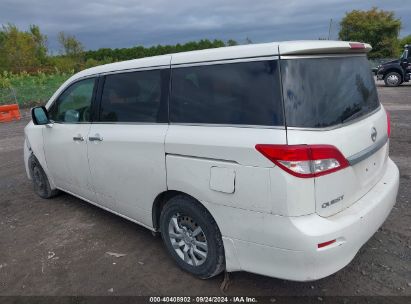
[65, 246]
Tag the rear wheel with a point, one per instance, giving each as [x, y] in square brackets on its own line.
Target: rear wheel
[393, 79]
[41, 183]
[192, 237]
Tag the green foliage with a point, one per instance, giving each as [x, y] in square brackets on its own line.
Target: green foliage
[70, 46]
[21, 50]
[231, 42]
[5, 82]
[65, 64]
[29, 74]
[41, 44]
[139, 51]
[377, 27]
[27, 51]
[91, 62]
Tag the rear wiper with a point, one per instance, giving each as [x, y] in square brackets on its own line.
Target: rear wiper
[352, 115]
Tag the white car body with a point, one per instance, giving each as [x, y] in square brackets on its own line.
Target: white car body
[271, 221]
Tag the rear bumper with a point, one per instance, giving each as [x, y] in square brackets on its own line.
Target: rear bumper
[286, 247]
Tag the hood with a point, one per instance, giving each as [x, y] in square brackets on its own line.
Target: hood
[392, 61]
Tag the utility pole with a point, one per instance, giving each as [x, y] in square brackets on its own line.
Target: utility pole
[329, 28]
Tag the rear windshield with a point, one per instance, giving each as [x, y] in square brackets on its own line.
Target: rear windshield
[323, 92]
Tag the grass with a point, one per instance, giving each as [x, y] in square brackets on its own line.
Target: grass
[29, 90]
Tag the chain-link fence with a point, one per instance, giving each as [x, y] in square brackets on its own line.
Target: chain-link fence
[29, 90]
[8, 96]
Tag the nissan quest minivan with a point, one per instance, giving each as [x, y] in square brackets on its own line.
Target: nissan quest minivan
[267, 158]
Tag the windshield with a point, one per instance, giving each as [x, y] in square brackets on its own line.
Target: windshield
[404, 55]
[323, 92]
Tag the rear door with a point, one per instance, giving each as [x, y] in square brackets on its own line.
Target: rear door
[126, 146]
[333, 100]
[219, 111]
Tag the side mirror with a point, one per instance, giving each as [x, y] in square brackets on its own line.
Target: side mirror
[40, 116]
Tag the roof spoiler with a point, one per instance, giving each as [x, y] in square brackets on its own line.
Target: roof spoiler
[323, 47]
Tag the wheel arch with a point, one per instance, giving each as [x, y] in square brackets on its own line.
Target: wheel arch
[161, 200]
[29, 159]
[29, 153]
[397, 70]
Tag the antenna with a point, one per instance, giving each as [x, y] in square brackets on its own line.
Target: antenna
[329, 28]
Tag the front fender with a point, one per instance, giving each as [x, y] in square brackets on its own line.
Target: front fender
[34, 144]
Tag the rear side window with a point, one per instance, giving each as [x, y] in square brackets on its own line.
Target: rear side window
[324, 92]
[246, 93]
[135, 97]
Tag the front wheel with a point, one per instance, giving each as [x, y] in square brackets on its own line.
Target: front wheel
[393, 79]
[192, 237]
[41, 183]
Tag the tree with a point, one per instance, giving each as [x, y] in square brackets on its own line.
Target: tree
[27, 51]
[232, 42]
[22, 51]
[376, 27]
[106, 54]
[41, 43]
[70, 46]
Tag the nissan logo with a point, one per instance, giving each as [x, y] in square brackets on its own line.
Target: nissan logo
[374, 134]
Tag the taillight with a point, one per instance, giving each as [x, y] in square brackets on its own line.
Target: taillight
[305, 160]
[388, 123]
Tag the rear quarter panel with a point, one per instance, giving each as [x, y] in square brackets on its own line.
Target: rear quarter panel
[195, 153]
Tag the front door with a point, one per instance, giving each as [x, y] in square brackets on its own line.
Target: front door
[65, 141]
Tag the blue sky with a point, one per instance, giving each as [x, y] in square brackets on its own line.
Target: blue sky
[111, 23]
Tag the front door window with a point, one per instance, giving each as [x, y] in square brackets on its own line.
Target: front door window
[74, 104]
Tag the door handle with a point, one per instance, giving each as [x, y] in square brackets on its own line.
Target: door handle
[78, 138]
[96, 137]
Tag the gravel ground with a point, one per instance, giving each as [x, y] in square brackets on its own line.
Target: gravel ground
[59, 246]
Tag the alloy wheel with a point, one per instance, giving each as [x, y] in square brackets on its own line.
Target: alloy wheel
[393, 80]
[188, 239]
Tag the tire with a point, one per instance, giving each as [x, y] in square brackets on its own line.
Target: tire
[393, 79]
[187, 225]
[41, 183]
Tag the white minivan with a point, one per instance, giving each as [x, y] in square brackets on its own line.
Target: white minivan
[268, 158]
